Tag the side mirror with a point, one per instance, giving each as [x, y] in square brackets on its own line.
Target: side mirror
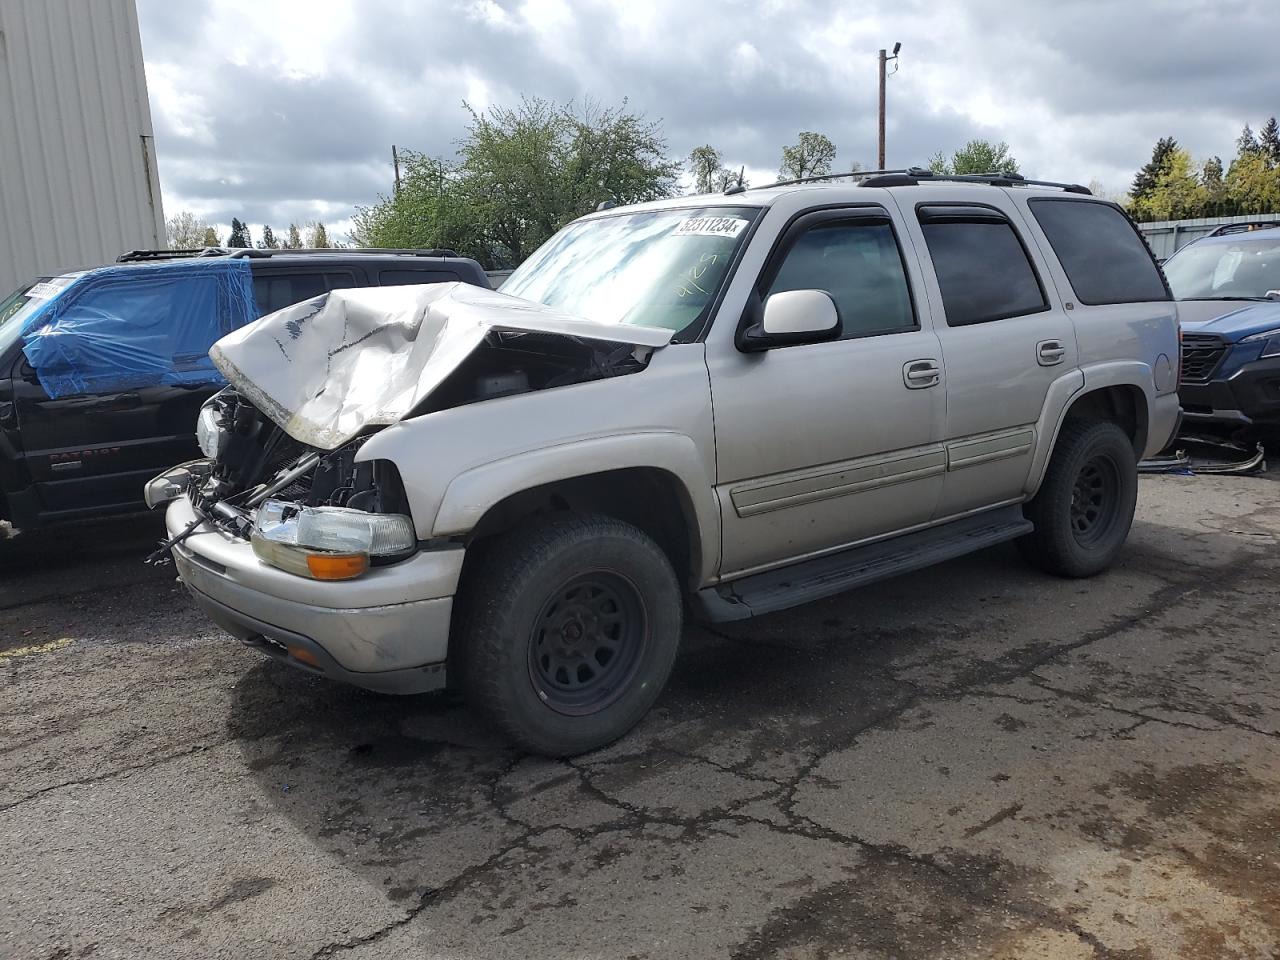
[28, 372]
[790, 318]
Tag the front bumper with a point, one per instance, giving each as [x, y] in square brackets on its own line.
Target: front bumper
[1249, 395]
[385, 631]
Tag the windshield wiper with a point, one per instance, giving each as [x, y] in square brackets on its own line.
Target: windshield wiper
[1252, 299]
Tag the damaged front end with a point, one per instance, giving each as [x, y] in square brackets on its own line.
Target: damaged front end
[314, 513]
[281, 445]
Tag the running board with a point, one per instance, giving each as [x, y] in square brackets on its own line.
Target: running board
[834, 573]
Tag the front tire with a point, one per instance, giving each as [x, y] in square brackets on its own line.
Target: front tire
[568, 632]
[1084, 508]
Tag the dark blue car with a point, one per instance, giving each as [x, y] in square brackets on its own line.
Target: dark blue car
[1228, 292]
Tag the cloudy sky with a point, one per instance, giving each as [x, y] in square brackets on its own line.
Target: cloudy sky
[285, 110]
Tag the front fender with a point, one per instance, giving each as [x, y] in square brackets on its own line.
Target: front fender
[473, 492]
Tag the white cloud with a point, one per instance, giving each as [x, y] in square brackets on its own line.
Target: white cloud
[267, 110]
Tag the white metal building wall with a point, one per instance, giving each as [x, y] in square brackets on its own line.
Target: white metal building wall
[78, 181]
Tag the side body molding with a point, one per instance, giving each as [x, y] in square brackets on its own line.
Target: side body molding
[470, 494]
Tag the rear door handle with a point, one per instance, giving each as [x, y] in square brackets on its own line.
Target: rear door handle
[919, 374]
[1050, 352]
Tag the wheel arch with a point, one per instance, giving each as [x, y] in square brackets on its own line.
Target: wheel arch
[1119, 393]
[654, 481]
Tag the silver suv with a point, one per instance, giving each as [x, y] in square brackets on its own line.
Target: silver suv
[718, 405]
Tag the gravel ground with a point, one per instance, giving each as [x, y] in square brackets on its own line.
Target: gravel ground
[972, 761]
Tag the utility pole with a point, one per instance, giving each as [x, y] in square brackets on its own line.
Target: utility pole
[884, 62]
[395, 157]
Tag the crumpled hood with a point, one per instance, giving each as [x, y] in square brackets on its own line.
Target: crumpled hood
[1228, 319]
[326, 368]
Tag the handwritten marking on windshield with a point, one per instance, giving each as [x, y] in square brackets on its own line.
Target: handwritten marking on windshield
[689, 282]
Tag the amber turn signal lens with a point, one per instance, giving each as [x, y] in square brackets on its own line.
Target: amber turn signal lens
[337, 566]
[304, 655]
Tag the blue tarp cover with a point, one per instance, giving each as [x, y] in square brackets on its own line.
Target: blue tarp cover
[125, 327]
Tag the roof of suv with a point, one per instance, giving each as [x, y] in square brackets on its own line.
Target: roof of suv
[1258, 234]
[872, 181]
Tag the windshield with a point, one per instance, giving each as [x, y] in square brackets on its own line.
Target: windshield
[15, 308]
[659, 269]
[1222, 271]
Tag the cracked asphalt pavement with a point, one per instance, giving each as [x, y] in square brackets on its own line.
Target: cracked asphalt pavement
[971, 761]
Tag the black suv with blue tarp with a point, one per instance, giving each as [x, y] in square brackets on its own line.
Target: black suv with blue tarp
[103, 371]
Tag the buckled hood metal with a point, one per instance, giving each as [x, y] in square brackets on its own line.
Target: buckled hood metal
[328, 367]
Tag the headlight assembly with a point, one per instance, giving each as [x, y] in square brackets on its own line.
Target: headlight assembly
[210, 433]
[327, 543]
[1272, 346]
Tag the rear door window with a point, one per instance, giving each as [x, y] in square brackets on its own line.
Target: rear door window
[275, 291]
[1104, 258]
[397, 278]
[983, 269]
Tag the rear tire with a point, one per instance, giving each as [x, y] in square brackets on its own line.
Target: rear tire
[568, 632]
[1084, 508]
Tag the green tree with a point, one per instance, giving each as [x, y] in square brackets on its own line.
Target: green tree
[210, 238]
[705, 164]
[976, 156]
[1178, 192]
[1144, 180]
[317, 236]
[983, 156]
[1253, 184]
[1247, 143]
[1269, 141]
[810, 156]
[185, 231]
[432, 209]
[614, 154]
[239, 235]
[295, 238]
[521, 174]
[1215, 187]
[268, 241]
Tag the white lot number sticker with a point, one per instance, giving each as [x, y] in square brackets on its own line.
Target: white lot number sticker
[710, 227]
[49, 288]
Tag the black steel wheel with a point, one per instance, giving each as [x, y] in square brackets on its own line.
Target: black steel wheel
[566, 631]
[1084, 508]
[1094, 499]
[587, 642]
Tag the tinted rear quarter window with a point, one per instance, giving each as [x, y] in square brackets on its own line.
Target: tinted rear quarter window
[275, 291]
[1104, 258]
[397, 278]
[983, 271]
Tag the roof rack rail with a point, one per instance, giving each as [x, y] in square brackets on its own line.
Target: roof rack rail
[138, 256]
[344, 251]
[1247, 226]
[1006, 179]
[827, 176]
[910, 176]
[142, 256]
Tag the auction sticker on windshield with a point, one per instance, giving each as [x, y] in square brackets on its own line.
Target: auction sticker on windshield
[46, 289]
[710, 227]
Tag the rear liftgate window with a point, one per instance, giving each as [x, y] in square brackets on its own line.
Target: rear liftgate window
[982, 267]
[1105, 259]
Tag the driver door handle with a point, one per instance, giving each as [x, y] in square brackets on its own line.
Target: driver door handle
[919, 374]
